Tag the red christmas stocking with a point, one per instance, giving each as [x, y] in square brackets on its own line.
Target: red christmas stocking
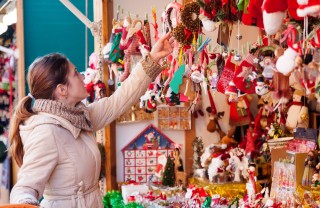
[226, 75]
[245, 75]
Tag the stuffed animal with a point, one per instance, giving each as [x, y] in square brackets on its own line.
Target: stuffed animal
[238, 164]
[308, 8]
[297, 115]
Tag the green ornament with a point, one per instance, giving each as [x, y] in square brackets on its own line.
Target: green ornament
[207, 202]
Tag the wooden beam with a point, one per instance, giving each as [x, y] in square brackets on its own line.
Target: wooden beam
[21, 84]
[20, 46]
[189, 137]
[103, 10]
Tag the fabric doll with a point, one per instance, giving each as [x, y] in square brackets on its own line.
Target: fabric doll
[251, 184]
[309, 166]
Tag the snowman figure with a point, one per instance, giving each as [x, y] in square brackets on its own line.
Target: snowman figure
[297, 115]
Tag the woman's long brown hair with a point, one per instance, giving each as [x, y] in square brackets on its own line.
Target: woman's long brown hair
[44, 74]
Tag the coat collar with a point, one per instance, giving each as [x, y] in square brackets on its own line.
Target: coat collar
[46, 118]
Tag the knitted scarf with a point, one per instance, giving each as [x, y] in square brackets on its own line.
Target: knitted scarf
[77, 116]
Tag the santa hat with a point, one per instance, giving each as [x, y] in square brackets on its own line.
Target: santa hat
[273, 14]
[244, 77]
[231, 89]
[308, 7]
[292, 9]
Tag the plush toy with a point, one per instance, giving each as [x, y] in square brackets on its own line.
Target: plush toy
[286, 63]
[297, 115]
[89, 81]
[274, 13]
[238, 164]
[262, 88]
[308, 8]
[148, 100]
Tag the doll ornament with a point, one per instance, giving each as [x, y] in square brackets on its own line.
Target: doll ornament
[309, 168]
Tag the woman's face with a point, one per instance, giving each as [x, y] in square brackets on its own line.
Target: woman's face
[76, 88]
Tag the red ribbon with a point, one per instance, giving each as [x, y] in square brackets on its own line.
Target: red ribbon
[141, 38]
[290, 35]
[204, 58]
[188, 33]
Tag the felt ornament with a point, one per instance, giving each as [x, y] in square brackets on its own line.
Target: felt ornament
[252, 15]
[177, 79]
[114, 54]
[245, 75]
[226, 75]
[130, 42]
[308, 8]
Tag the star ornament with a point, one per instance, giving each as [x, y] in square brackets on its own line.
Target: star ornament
[246, 72]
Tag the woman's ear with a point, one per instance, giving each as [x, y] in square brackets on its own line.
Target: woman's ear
[61, 91]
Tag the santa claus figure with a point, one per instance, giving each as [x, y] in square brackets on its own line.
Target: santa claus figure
[297, 115]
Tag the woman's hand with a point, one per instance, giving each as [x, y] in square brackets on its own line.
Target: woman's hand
[162, 48]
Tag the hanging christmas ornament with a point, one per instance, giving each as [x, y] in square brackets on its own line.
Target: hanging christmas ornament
[171, 16]
[190, 16]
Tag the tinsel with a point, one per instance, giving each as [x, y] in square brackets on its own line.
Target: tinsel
[227, 190]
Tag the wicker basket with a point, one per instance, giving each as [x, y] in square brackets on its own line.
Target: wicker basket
[278, 143]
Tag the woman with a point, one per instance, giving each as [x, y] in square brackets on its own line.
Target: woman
[51, 132]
